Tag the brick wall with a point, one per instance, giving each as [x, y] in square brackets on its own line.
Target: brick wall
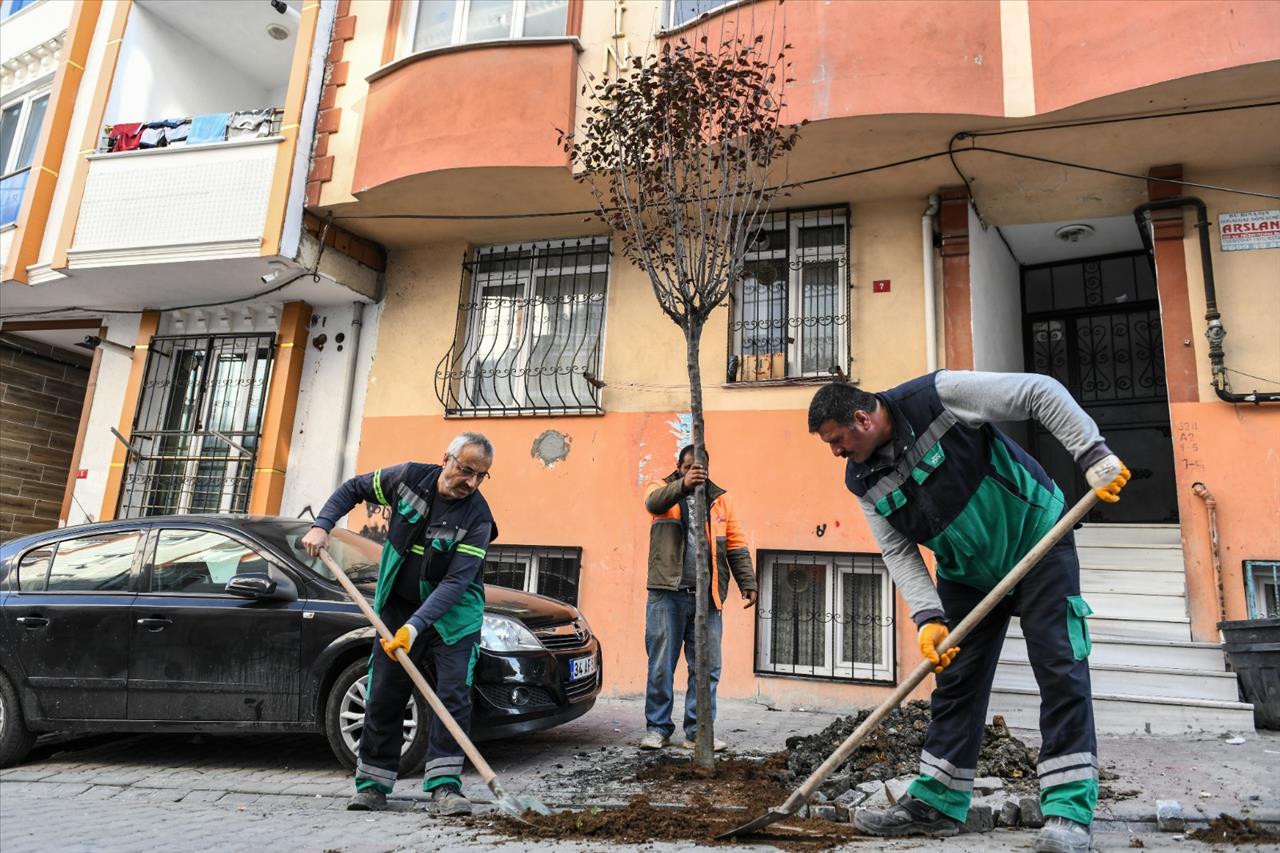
[41, 394]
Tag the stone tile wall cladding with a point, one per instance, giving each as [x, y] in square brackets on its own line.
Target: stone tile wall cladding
[41, 394]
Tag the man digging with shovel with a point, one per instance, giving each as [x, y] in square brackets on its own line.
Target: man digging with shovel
[929, 468]
[430, 592]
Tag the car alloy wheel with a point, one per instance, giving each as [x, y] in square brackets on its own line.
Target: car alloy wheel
[352, 716]
[343, 720]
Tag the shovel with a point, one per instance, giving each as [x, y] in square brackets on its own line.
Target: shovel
[802, 794]
[512, 806]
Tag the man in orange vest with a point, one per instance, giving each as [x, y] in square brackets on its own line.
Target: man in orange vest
[669, 615]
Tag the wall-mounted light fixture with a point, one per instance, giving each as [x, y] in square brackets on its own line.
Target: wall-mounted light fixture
[1076, 233]
[92, 342]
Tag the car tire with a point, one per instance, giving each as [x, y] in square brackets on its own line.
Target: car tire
[346, 699]
[15, 738]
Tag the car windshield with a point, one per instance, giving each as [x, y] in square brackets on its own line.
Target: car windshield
[357, 555]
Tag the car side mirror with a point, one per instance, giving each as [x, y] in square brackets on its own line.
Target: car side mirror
[258, 587]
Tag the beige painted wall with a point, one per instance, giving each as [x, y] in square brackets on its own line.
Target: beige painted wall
[1247, 284]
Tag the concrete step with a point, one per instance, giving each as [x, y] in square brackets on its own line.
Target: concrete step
[1177, 630]
[1110, 605]
[1143, 558]
[1130, 534]
[1146, 681]
[1135, 652]
[1133, 583]
[1122, 714]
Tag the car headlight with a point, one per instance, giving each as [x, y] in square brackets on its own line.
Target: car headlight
[504, 634]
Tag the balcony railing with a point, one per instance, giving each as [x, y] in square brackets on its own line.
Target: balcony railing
[12, 186]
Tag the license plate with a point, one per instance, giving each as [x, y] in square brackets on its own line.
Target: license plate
[582, 667]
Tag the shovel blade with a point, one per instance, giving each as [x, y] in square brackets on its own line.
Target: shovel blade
[516, 807]
[751, 826]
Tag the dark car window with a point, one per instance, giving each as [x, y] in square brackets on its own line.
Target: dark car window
[97, 563]
[358, 556]
[200, 561]
[34, 569]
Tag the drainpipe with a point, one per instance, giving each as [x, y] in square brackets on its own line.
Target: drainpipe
[1215, 332]
[930, 308]
[1201, 491]
[346, 454]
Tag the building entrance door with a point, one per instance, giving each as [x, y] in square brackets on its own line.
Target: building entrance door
[1094, 325]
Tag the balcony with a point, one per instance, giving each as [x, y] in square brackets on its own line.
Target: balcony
[455, 108]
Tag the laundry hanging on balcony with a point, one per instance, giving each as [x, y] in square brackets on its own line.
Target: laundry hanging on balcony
[208, 128]
[124, 137]
[177, 135]
[155, 133]
[250, 124]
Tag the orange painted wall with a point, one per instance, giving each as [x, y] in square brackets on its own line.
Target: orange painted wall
[459, 109]
[1235, 451]
[784, 481]
[1082, 51]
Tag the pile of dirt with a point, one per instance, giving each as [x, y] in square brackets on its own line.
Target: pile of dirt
[641, 821]
[893, 750]
[1225, 829]
[735, 781]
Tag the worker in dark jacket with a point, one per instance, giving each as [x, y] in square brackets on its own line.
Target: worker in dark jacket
[669, 613]
[430, 593]
[929, 468]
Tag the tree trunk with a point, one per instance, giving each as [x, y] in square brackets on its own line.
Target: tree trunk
[704, 751]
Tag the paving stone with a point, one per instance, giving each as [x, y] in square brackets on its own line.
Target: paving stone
[1169, 816]
[850, 798]
[1029, 814]
[1010, 814]
[896, 789]
[101, 792]
[825, 812]
[984, 785]
[980, 819]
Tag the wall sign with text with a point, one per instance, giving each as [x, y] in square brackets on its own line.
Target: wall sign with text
[1254, 229]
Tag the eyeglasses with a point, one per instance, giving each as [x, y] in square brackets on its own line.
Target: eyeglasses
[469, 473]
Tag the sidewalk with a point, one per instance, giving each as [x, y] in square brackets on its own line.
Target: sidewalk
[131, 792]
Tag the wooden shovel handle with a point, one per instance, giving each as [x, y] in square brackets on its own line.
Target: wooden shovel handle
[477, 760]
[922, 670]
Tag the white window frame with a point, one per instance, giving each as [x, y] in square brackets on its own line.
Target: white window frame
[793, 259]
[669, 13]
[461, 17]
[24, 117]
[531, 557]
[523, 323]
[836, 567]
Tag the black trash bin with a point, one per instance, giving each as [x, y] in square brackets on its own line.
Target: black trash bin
[1253, 647]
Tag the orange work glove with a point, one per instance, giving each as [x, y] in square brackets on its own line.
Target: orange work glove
[931, 636]
[1107, 477]
[405, 636]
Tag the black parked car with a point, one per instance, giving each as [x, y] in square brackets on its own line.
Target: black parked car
[222, 624]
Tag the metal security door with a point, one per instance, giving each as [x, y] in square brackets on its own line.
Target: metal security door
[1094, 325]
[199, 420]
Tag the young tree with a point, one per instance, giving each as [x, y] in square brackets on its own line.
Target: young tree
[682, 151]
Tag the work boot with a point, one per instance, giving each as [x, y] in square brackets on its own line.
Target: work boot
[447, 799]
[1062, 835]
[909, 817]
[653, 740]
[717, 745]
[368, 800]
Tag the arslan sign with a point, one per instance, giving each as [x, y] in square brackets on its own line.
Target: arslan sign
[1255, 229]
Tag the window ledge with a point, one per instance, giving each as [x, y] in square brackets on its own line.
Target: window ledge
[397, 64]
[780, 383]
[664, 32]
[469, 414]
[891, 681]
[178, 149]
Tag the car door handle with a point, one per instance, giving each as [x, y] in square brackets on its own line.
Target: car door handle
[155, 623]
[32, 621]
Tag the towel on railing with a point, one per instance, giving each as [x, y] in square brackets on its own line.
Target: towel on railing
[124, 137]
[250, 124]
[208, 128]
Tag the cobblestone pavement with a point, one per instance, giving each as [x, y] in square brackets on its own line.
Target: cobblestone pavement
[136, 792]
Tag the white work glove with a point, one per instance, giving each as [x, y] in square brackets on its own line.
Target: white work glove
[1107, 477]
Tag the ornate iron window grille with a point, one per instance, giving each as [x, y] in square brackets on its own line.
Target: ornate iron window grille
[549, 571]
[825, 615]
[1262, 588]
[196, 430]
[528, 339]
[791, 308]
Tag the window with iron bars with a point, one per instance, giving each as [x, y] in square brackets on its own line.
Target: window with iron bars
[1262, 588]
[196, 431]
[825, 615]
[528, 340]
[548, 571]
[791, 307]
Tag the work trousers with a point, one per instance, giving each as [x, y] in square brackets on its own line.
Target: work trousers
[668, 625]
[389, 690]
[1051, 613]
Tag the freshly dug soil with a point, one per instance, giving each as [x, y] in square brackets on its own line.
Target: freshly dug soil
[893, 750]
[735, 782]
[641, 821]
[1225, 829]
